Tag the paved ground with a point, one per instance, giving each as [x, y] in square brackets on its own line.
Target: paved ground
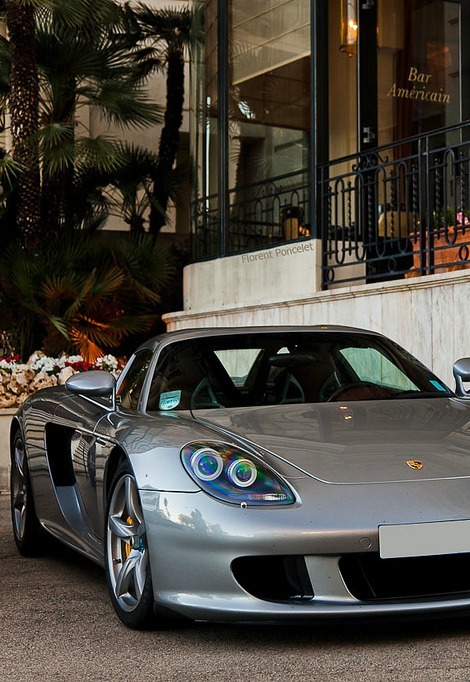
[57, 624]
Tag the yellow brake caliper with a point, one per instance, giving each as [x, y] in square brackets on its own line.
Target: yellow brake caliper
[127, 546]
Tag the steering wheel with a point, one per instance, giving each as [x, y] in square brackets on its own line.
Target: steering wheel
[366, 390]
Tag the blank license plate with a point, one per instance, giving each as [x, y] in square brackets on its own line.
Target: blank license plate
[424, 539]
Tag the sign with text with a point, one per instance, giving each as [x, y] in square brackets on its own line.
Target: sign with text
[419, 87]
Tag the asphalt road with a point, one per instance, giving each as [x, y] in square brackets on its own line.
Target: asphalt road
[57, 624]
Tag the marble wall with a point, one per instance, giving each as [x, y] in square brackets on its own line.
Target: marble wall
[5, 422]
[427, 315]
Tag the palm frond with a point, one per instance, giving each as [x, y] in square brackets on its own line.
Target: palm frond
[77, 57]
[9, 171]
[36, 4]
[100, 153]
[54, 134]
[86, 347]
[58, 159]
[61, 327]
[107, 283]
[168, 23]
[126, 105]
[84, 16]
[58, 287]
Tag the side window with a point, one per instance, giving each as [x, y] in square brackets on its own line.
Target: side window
[371, 365]
[177, 375]
[131, 386]
[238, 362]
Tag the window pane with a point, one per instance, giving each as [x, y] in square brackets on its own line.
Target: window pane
[204, 138]
[371, 365]
[342, 83]
[131, 386]
[269, 102]
[418, 67]
[238, 362]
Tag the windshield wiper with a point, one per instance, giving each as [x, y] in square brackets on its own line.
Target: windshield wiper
[419, 394]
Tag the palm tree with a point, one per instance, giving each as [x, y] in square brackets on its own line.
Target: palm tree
[169, 32]
[24, 103]
[124, 192]
[89, 65]
[83, 295]
[84, 58]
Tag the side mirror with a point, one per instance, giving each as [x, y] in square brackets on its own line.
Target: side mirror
[462, 373]
[93, 384]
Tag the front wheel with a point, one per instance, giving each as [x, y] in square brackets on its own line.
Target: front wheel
[127, 559]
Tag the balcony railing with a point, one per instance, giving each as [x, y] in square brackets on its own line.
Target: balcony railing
[397, 211]
[260, 215]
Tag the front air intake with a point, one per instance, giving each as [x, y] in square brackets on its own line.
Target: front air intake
[274, 578]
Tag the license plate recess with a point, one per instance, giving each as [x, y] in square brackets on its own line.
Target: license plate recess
[424, 539]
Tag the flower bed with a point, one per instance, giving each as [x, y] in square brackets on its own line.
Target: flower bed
[20, 380]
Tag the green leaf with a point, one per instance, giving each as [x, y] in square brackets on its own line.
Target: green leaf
[9, 171]
[127, 105]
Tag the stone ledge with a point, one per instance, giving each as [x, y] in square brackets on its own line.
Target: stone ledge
[6, 416]
[339, 294]
[253, 278]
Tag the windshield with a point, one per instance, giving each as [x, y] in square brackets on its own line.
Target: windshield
[285, 368]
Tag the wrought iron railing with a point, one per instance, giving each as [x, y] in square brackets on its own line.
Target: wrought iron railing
[260, 215]
[398, 211]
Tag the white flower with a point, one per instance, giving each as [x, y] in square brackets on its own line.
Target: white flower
[19, 380]
[71, 358]
[43, 363]
[6, 366]
[108, 363]
[10, 367]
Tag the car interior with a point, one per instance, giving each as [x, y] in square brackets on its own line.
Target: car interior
[275, 370]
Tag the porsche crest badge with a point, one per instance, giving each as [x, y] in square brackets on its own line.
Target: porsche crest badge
[414, 464]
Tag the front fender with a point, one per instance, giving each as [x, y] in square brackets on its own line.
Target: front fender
[153, 443]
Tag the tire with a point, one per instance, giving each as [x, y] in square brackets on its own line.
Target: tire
[126, 553]
[30, 537]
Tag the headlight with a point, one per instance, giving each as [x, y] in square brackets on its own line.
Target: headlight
[207, 464]
[233, 475]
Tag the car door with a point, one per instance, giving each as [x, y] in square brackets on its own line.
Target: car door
[77, 458]
[76, 464]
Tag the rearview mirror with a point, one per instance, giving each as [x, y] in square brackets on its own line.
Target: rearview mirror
[462, 374]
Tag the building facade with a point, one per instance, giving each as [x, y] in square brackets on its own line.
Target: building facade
[330, 142]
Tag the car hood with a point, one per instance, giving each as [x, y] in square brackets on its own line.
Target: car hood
[358, 442]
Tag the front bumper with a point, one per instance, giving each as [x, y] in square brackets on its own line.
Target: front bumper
[195, 543]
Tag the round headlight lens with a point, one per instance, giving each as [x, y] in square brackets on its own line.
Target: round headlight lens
[231, 474]
[242, 473]
[207, 464]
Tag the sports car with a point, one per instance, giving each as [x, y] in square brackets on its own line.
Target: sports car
[255, 474]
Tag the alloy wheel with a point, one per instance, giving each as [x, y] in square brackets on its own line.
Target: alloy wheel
[19, 489]
[127, 554]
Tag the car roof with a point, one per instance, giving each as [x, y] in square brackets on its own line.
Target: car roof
[211, 332]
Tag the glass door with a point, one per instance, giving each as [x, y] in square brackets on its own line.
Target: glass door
[419, 69]
[396, 80]
[395, 70]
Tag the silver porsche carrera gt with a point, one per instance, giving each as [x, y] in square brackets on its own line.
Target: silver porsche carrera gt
[255, 474]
